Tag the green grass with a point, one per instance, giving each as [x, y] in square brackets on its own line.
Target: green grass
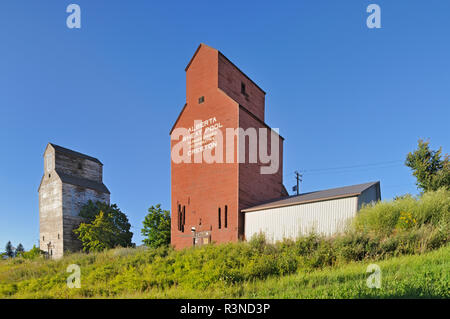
[415, 276]
[408, 238]
[425, 276]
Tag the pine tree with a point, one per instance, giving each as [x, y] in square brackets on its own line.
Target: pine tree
[20, 250]
[9, 250]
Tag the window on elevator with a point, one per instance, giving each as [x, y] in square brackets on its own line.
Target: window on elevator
[220, 220]
[179, 218]
[225, 224]
[243, 88]
[184, 219]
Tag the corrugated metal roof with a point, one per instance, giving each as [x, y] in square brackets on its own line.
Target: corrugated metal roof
[64, 150]
[76, 181]
[333, 193]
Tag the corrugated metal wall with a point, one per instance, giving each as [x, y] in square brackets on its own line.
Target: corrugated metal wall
[370, 195]
[325, 217]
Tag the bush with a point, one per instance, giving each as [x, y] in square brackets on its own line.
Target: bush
[304, 246]
[33, 253]
[385, 217]
[258, 242]
[323, 256]
[354, 247]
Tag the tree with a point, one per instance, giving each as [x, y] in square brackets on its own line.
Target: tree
[156, 227]
[9, 250]
[33, 253]
[431, 171]
[19, 250]
[104, 227]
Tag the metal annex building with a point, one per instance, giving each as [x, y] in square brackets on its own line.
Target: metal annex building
[324, 212]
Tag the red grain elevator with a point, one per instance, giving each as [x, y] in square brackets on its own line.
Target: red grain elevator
[207, 198]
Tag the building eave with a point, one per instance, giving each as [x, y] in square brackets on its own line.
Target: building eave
[248, 210]
[316, 196]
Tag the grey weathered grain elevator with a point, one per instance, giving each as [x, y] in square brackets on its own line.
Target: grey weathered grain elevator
[70, 180]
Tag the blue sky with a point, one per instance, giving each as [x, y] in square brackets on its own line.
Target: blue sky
[350, 101]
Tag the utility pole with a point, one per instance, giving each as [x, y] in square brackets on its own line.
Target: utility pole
[298, 176]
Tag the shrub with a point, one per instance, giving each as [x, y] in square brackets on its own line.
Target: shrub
[258, 242]
[437, 238]
[323, 256]
[304, 246]
[353, 246]
[383, 218]
[389, 245]
[33, 253]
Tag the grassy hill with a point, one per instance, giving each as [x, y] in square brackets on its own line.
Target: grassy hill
[407, 238]
[414, 276]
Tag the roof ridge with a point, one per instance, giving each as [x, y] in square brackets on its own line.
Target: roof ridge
[227, 59]
[68, 151]
[340, 187]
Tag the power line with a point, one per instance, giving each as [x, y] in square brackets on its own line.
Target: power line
[352, 166]
[360, 169]
[343, 169]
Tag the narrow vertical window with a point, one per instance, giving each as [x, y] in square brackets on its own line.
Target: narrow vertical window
[226, 217]
[243, 88]
[184, 219]
[220, 221]
[179, 217]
